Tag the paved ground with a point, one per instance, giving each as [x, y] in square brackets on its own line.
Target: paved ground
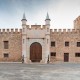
[61, 71]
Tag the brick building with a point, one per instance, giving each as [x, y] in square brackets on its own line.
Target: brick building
[39, 43]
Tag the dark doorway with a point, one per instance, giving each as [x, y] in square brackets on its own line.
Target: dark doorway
[35, 52]
[66, 57]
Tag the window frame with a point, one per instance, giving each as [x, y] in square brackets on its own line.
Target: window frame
[66, 43]
[6, 55]
[53, 44]
[53, 54]
[77, 54]
[78, 44]
[6, 44]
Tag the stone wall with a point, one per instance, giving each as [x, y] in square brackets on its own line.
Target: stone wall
[77, 23]
[60, 37]
[14, 37]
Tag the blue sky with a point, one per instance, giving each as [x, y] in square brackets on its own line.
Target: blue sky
[61, 12]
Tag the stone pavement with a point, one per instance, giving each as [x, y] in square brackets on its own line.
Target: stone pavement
[56, 71]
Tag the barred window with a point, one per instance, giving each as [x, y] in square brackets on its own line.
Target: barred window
[53, 44]
[78, 44]
[66, 43]
[53, 54]
[77, 54]
[6, 44]
[6, 55]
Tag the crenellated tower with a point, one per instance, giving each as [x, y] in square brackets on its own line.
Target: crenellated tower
[77, 23]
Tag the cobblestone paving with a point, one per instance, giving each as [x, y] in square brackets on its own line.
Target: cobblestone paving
[57, 71]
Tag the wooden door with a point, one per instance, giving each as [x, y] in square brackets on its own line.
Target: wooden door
[66, 57]
[35, 52]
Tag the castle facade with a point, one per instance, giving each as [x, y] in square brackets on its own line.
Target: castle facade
[39, 43]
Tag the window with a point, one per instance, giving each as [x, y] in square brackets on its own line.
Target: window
[47, 41]
[6, 43]
[78, 44]
[53, 53]
[77, 54]
[66, 43]
[23, 41]
[6, 55]
[53, 44]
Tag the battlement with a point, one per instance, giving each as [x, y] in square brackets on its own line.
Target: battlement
[64, 30]
[36, 27]
[10, 30]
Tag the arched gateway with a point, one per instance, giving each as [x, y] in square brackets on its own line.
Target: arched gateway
[35, 52]
[39, 50]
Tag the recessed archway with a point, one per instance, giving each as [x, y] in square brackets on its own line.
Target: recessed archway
[35, 52]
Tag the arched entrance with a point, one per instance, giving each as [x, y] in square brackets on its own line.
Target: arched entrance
[36, 52]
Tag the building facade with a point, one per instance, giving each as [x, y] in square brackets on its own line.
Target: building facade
[39, 43]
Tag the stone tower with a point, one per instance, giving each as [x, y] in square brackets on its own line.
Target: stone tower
[77, 23]
[24, 37]
[47, 23]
